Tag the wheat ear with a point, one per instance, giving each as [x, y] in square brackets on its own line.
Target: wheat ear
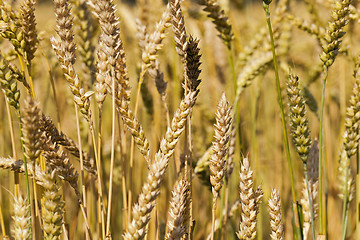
[112, 49]
[352, 120]
[151, 188]
[29, 28]
[276, 223]
[300, 131]
[9, 76]
[31, 129]
[52, 206]
[12, 28]
[334, 32]
[250, 201]
[178, 26]
[313, 173]
[220, 20]
[60, 162]
[154, 41]
[21, 229]
[58, 137]
[219, 145]
[65, 52]
[86, 32]
[220, 150]
[178, 217]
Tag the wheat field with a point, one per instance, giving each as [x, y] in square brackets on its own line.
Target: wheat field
[179, 119]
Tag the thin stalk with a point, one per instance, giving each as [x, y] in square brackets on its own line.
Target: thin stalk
[132, 146]
[357, 219]
[310, 202]
[287, 148]
[345, 206]
[112, 159]
[226, 206]
[321, 140]
[28, 66]
[52, 81]
[100, 191]
[3, 230]
[213, 218]
[236, 104]
[123, 169]
[25, 165]
[222, 203]
[81, 162]
[232, 67]
[13, 145]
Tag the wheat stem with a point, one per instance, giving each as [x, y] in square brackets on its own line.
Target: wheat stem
[310, 201]
[82, 175]
[111, 160]
[345, 205]
[287, 148]
[321, 143]
[13, 145]
[25, 162]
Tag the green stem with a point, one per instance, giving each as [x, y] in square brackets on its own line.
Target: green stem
[222, 202]
[310, 202]
[345, 204]
[267, 11]
[321, 140]
[232, 66]
[357, 219]
[287, 148]
[25, 164]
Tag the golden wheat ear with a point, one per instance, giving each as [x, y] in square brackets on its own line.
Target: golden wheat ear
[250, 201]
[220, 145]
[28, 23]
[276, 222]
[220, 20]
[65, 52]
[21, 218]
[178, 211]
